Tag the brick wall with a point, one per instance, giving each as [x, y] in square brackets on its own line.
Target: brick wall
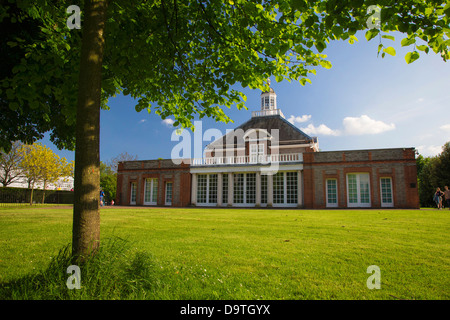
[164, 170]
[397, 164]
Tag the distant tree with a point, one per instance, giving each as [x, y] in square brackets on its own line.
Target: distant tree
[40, 164]
[433, 172]
[443, 166]
[10, 168]
[108, 181]
[124, 156]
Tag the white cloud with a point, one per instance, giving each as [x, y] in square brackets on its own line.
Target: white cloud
[320, 130]
[429, 151]
[445, 127]
[168, 122]
[299, 119]
[142, 121]
[365, 125]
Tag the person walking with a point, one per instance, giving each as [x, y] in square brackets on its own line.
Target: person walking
[447, 196]
[102, 195]
[438, 198]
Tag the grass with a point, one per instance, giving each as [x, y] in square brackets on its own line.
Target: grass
[230, 254]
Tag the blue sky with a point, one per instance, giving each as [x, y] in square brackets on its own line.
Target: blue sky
[362, 102]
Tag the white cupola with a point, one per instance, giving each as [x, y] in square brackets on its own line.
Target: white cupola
[268, 99]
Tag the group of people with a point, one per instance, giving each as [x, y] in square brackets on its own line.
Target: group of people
[102, 198]
[439, 197]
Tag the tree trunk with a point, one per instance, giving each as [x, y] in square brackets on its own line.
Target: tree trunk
[43, 192]
[86, 213]
[31, 196]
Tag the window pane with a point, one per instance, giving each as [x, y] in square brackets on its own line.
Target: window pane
[155, 191]
[212, 188]
[364, 188]
[352, 189]
[225, 188]
[238, 188]
[263, 188]
[386, 190]
[168, 192]
[133, 192]
[331, 191]
[251, 188]
[201, 188]
[278, 188]
[148, 190]
[291, 187]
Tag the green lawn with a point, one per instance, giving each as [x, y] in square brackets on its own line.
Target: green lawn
[254, 254]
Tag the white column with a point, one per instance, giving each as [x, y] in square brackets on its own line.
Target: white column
[219, 189]
[258, 189]
[270, 190]
[194, 189]
[230, 189]
[299, 189]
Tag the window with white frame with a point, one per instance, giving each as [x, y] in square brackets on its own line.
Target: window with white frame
[150, 191]
[291, 187]
[133, 190]
[278, 188]
[387, 199]
[212, 188]
[285, 188]
[358, 190]
[202, 185]
[256, 152]
[207, 188]
[225, 188]
[244, 188]
[238, 188]
[169, 193]
[263, 189]
[250, 188]
[266, 103]
[331, 195]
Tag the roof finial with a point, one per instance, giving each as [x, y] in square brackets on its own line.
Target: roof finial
[268, 81]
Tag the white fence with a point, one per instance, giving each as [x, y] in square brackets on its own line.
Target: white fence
[254, 159]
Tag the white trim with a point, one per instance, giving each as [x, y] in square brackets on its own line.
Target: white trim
[358, 191]
[284, 146]
[207, 203]
[168, 203]
[152, 186]
[328, 204]
[386, 204]
[133, 183]
[268, 169]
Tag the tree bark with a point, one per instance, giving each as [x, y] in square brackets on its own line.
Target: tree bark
[86, 213]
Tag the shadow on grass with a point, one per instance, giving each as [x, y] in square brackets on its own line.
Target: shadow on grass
[117, 271]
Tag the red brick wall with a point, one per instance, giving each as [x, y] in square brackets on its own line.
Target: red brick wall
[398, 164]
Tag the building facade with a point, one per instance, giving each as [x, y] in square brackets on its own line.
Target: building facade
[269, 162]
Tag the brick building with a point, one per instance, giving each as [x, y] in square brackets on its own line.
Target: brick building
[268, 162]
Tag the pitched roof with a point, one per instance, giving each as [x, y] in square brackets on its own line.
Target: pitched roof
[287, 132]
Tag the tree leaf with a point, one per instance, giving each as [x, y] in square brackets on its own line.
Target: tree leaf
[408, 41]
[388, 37]
[390, 50]
[411, 57]
[372, 33]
